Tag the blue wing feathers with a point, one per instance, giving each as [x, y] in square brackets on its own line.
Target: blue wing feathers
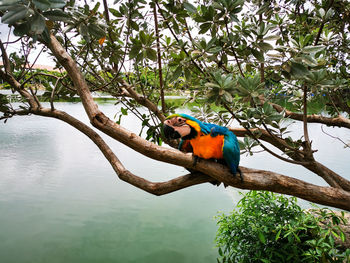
[216, 130]
[231, 151]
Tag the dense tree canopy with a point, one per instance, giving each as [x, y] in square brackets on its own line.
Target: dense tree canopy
[260, 63]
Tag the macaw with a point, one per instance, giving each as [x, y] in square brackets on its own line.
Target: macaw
[206, 140]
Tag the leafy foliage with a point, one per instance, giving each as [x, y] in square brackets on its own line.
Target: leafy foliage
[229, 56]
[272, 228]
[28, 16]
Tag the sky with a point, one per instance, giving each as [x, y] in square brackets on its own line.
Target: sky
[42, 60]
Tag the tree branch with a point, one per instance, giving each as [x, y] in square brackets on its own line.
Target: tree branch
[143, 101]
[254, 179]
[332, 178]
[156, 188]
[322, 24]
[8, 76]
[339, 121]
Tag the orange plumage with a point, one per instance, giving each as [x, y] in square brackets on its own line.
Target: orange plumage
[206, 146]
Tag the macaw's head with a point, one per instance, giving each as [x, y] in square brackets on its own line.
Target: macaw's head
[176, 127]
[183, 126]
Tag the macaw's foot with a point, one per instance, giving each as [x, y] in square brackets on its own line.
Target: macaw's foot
[196, 160]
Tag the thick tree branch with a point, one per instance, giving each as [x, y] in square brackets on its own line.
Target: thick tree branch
[332, 178]
[339, 121]
[156, 188]
[254, 179]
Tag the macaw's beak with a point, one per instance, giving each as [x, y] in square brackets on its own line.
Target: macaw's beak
[176, 127]
[169, 132]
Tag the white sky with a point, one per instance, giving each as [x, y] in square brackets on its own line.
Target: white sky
[42, 60]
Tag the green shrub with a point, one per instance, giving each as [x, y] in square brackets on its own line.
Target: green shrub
[267, 227]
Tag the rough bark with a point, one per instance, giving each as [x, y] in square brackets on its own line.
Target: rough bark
[253, 179]
[207, 171]
[339, 121]
[332, 178]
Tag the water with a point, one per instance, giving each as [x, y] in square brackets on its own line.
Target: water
[60, 201]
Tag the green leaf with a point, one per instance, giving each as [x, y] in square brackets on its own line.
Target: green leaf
[115, 12]
[313, 49]
[8, 2]
[204, 28]
[43, 5]
[298, 70]
[272, 37]
[38, 24]
[329, 14]
[190, 8]
[187, 73]
[216, 5]
[262, 237]
[258, 55]
[278, 234]
[265, 46]
[151, 54]
[267, 108]
[135, 50]
[21, 29]
[46, 35]
[83, 29]
[215, 50]
[57, 15]
[124, 111]
[134, 25]
[96, 30]
[227, 97]
[57, 3]
[308, 60]
[16, 14]
[143, 37]
[177, 73]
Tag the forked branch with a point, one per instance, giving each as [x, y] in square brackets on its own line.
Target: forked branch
[253, 179]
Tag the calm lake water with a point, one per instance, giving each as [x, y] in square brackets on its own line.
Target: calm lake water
[60, 201]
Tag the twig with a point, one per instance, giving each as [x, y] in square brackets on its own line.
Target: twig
[235, 55]
[161, 85]
[36, 74]
[53, 94]
[346, 145]
[306, 133]
[178, 41]
[322, 24]
[262, 145]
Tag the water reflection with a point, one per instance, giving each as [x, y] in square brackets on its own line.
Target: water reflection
[61, 201]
